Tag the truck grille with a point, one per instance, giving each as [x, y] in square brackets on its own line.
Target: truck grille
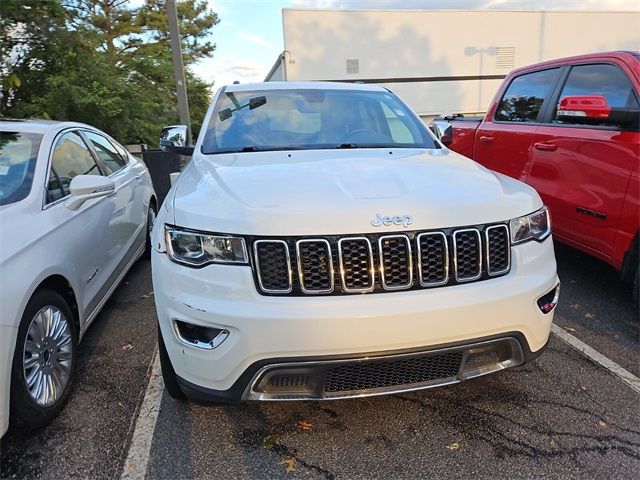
[334, 265]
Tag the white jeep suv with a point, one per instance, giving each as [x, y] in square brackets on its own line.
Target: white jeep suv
[323, 244]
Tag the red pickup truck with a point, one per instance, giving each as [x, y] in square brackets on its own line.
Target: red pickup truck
[570, 129]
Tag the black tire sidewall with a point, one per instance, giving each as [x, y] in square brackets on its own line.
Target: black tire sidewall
[24, 411]
[169, 377]
[147, 241]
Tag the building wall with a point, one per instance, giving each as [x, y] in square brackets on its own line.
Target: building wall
[443, 61]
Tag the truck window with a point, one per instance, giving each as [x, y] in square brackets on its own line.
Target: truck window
[600, 79]
[525, 96]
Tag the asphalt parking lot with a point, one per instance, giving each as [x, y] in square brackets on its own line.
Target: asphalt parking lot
[563, 416]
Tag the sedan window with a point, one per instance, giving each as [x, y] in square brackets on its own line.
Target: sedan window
[71, 157]
[18, 153]
[107, 153]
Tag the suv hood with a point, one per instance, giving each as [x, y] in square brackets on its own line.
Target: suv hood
[327, 192]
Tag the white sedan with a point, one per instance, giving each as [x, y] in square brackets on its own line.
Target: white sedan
[76, 210]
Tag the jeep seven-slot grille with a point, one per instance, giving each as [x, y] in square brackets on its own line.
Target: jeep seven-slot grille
[326, 265]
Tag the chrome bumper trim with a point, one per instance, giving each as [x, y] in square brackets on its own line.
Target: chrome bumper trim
[254, 391]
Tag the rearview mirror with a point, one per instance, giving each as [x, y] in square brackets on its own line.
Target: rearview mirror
[175, 138]
[443, 132]
[86, 187]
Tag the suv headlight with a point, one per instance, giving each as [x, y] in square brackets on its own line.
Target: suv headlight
[535, 226]
[198, 249]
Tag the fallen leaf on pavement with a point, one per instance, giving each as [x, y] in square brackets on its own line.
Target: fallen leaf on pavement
[453, 446]
[601, 423]
[575, 305]
[128, 346]
[289, 462]
[583, 388]
[150, 294]
[589, 315]
[553, 444]
[569, 329]
[305, 425]
[270, 441]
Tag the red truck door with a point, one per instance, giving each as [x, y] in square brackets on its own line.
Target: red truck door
[504, 139]
[582, 171]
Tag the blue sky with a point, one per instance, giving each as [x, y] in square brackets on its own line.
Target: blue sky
[249, 35]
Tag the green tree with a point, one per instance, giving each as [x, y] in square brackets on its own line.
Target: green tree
[109, 65]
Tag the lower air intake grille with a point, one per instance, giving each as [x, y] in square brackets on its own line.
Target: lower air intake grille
[380, 374]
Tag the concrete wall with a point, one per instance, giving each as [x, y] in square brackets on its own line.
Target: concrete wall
[442, 61]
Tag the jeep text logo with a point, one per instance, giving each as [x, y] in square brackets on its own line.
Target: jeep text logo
[404, 220]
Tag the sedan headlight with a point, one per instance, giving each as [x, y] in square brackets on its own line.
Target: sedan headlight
[197, 249]
[535, 226]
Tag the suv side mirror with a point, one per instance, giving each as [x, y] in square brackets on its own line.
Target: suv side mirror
[443, 132]
[175, 138]
[594, 110]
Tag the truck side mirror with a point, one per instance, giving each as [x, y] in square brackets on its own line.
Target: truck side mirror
[583, 106]
[443, 132]
[174, 138]
[594, 110]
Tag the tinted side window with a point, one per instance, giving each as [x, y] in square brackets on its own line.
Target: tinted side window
[525, 96]
[71, 157]
[107, 153]
[600, 79]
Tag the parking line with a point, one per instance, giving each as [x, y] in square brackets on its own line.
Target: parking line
[135, 466]
[626, 376]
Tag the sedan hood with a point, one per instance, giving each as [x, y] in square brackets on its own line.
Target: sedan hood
[323, 192]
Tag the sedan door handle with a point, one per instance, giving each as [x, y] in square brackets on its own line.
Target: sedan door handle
[545, 147]
[486, 139]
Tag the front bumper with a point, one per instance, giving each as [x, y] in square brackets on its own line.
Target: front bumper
[263, 331]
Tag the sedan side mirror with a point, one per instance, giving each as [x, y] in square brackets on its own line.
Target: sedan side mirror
[175, 138]
[86, 187]
[443, 132]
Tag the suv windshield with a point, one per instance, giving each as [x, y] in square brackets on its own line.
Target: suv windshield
[312, 119]
[18, 153]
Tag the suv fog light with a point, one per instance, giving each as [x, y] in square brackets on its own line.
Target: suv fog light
[549, 300]
[197, 336]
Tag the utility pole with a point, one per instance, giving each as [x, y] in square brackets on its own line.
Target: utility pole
[178, 67]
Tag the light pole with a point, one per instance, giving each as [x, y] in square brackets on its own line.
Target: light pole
[178, 67]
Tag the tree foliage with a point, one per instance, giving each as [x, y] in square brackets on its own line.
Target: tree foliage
[101, 62]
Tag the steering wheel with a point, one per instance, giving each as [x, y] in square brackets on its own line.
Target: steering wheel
[362, 134]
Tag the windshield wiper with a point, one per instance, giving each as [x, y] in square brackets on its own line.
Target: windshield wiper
[249, 149]
[347, 145]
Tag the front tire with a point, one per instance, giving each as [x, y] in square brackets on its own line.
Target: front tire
[44, 360]
[152, 213]
[171, 384]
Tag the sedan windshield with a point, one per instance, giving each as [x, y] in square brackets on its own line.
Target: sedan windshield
[312, 119]
[18, 153]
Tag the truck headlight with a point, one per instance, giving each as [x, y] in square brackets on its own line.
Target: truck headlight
[535, 226]
[198, 249]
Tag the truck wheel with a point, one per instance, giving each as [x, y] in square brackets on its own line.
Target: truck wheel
[171, 384]
[44, 360]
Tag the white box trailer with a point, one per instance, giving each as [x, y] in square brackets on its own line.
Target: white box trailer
[441, 61]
